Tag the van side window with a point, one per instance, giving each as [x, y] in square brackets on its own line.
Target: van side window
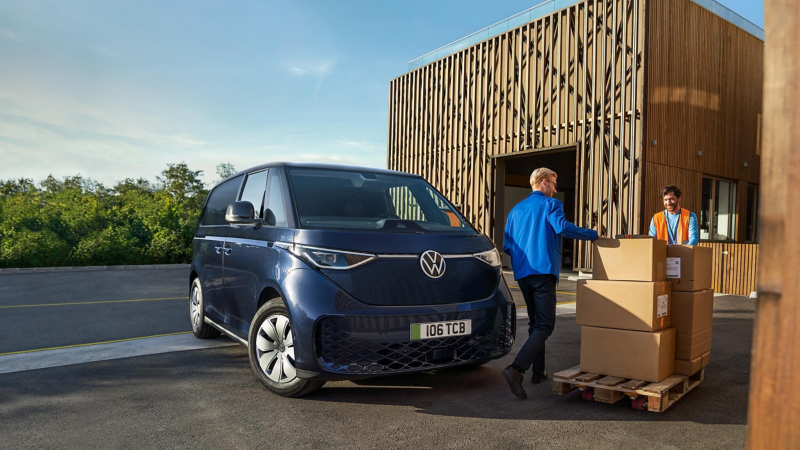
[253, 191]
[218, 201]
[274, 208]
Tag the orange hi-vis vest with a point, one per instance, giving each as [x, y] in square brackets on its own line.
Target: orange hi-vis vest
[660, 221]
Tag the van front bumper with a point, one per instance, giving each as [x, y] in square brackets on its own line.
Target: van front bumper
[337, 337]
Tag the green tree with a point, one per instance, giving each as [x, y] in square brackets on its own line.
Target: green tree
[78, 221]
[225, 170]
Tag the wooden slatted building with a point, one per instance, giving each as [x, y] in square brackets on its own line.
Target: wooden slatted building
[620, 97]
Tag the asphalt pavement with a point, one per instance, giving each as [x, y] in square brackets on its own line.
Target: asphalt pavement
[209, 397]
[50, 310]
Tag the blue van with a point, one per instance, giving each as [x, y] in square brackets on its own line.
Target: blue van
[328, 272]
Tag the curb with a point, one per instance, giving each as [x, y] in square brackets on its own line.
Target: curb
[90, 268]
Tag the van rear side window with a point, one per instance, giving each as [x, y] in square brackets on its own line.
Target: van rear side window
[218, 201]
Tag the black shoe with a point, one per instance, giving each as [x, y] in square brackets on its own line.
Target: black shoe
[538, 378]
[514, 380]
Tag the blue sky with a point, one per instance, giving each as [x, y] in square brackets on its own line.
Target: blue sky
[113, 89]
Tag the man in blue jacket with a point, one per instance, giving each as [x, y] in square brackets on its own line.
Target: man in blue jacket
[533, 241]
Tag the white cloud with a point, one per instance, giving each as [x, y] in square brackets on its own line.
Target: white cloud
[363, 145]
[8, 34]
[103, 51]
[323, 158]
[183, 141]
[318, 70]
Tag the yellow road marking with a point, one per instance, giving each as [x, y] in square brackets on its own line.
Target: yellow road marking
[94, 303]
[93, 343]
[557, 292]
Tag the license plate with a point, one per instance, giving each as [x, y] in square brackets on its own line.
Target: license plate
[441, 329]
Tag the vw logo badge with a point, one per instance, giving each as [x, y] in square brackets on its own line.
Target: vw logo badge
[432, 264]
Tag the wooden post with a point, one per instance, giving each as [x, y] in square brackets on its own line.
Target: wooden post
[774, 412]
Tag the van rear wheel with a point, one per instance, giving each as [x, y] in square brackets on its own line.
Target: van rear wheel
[271, 350]
[200, 328]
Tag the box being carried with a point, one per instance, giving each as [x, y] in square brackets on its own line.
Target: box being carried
[689, 267]
[640, 258]
[625, 305]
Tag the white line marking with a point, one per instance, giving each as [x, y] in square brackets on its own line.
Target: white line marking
[104, 352]
[561, 310]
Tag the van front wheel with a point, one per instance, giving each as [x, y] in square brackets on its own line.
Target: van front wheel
[271, 350]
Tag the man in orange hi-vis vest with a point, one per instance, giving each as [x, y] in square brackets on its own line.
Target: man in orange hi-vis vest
[675, 224]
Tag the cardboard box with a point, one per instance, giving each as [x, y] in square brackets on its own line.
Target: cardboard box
[692, 316]
[638, 355]
[625, 305]
[641, 259]
[689, 267]
[684, 367]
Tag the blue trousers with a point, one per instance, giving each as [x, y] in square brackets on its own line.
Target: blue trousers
[539, 292]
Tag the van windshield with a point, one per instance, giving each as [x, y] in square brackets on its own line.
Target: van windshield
[371, 201]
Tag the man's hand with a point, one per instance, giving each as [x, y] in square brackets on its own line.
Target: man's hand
[603, 238]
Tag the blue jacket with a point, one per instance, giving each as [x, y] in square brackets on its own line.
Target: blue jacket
[533, 235]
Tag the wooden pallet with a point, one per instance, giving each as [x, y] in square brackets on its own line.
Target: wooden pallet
[608, 389]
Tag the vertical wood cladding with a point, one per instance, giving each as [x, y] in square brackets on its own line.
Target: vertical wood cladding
[574, 77]
[704, 78]
[704, 92]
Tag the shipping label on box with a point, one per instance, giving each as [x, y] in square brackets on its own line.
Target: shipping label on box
[689, 267]
[673, 267]
[663, 306]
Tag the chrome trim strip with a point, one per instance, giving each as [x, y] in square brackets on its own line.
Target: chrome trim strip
[283, 245]
[210, 238]
[226, 332]
[289, 246]
[448, 256]
[253, 242]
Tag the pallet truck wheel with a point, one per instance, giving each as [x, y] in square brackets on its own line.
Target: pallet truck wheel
[639, 403]
[588, 394]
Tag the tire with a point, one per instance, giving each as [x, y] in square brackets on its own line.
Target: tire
[200, 328]
[271, 351]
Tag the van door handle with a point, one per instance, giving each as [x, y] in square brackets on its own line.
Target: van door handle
[227, 251]
[218, 249]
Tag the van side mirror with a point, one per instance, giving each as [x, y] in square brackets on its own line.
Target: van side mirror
[241, 213]
[270, 218]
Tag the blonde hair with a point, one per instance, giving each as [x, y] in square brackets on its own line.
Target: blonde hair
[540, 174]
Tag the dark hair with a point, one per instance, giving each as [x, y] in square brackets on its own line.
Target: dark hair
[670, 189]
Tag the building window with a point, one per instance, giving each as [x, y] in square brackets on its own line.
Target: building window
[751, 220]
[718, 210]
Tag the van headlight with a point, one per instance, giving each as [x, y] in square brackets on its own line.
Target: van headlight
[325, 258]
[490, 257]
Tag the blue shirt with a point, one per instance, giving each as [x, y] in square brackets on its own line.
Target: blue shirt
[532, 237]
[672, 228]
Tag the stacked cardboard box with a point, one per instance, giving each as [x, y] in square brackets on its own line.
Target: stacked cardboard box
[626, 311]
[689, 270]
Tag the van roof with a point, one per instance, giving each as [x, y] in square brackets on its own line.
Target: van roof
[317, 166]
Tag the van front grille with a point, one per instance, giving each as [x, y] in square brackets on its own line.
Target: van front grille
[340, 351]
